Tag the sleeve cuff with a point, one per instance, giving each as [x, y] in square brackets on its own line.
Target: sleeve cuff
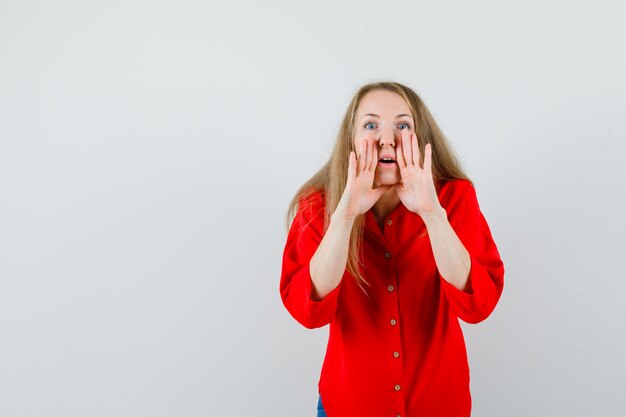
[317, 312]
[470, 305]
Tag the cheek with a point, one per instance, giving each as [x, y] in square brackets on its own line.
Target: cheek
[358, 142]
[361, 133]
[360, 136]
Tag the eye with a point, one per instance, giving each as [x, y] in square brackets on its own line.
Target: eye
[370, 125]
[403, 126]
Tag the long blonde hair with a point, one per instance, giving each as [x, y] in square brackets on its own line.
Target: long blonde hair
[332, 177]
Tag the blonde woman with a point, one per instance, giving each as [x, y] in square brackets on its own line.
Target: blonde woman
[388, 245]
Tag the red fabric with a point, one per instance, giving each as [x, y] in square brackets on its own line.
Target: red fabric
[360, 371]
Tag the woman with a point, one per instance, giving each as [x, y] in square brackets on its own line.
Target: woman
[391, 249]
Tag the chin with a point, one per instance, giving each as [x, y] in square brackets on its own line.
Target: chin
[387, 179]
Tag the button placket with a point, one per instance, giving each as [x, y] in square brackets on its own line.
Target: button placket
[392, 290]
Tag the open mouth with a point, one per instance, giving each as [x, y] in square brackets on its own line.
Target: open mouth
[386, 161]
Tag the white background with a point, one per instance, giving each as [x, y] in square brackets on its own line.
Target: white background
[148, 150]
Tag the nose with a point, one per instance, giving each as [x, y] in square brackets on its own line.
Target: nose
[387, 137]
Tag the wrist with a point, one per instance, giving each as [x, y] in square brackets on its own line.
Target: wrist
[340, 217]
[435, 216]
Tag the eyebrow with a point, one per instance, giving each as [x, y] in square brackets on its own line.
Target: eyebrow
[397, 117]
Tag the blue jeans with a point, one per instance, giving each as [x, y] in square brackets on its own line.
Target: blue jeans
[320, 408]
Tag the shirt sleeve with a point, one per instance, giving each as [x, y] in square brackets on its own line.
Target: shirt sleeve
[486, 276]
[296, 287]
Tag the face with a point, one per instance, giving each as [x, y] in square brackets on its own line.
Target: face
[381, 116]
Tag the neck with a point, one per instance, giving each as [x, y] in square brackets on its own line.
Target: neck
[386, 204]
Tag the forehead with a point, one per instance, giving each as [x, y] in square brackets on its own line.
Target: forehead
[384, 103]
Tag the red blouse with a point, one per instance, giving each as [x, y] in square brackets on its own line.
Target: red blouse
[400, 351]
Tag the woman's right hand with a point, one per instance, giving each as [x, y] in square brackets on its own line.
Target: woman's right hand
[359, 194]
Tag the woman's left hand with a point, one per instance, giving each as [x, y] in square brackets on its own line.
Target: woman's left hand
[417, 188]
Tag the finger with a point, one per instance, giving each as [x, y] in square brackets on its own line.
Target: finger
[374, 160]
[406, 147]
[368, 153]
[428, 158]
[400, 156]
[361, 156]
[351, 166]
[416, 149]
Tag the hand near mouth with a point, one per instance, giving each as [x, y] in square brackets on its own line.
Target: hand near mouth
[417, 187]
[359, 194]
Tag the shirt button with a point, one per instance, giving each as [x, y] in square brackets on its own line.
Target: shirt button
[387, 255]
[390, 288]
[393, 322]
[396, 354]
[397, 387]
[389, 222]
